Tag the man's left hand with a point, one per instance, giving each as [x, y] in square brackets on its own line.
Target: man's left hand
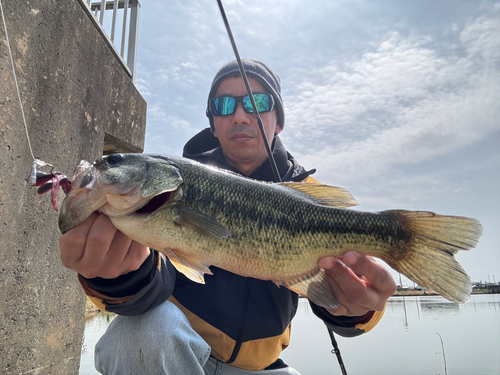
[360, 283]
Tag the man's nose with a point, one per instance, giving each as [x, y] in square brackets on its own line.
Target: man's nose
[240, 115]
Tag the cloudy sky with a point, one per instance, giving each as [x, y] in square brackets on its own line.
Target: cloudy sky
[398, 102]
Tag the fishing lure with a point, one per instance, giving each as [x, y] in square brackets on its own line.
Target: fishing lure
[48, 181]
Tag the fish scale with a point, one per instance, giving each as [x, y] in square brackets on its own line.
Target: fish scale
[264, 230]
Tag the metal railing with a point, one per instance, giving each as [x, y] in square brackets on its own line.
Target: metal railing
[102, 10]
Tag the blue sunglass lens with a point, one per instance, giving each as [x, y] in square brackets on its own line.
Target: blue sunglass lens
[223, 105]
[261, 102]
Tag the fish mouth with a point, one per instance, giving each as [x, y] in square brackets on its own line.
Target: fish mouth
[154, 203]
[70, 217]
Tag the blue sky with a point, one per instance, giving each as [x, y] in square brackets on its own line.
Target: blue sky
[398, 102]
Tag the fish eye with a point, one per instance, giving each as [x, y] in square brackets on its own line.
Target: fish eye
[114, 159]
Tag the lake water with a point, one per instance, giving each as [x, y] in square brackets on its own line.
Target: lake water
[402, 343]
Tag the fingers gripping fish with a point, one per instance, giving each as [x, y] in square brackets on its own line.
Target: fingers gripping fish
[200, 216]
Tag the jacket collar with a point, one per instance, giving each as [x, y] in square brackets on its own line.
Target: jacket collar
[206, 149]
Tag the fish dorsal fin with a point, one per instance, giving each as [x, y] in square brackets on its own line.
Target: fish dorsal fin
[327, 195]
[315, 287]
[192, 267]
[201, 223]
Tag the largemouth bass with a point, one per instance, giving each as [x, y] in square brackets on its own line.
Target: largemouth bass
[200, 216]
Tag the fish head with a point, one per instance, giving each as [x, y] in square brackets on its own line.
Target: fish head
[118, 185]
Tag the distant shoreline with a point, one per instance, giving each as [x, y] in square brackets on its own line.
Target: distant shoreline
[92, 310]
[412, 292]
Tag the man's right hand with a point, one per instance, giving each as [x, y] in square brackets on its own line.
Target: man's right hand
[95, 248]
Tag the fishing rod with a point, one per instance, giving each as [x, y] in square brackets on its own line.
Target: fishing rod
[277, 177]
[256, 115]
[336, 351]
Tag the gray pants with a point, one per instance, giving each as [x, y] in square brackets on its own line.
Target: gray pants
[161, 341]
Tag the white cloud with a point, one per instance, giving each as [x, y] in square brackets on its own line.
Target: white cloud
[401, 103]
[482, 39]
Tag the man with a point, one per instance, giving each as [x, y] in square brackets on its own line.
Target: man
[232, 324]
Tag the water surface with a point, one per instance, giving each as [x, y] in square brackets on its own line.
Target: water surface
[404, 342]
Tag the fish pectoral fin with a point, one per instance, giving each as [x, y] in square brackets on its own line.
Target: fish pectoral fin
[327, 195]
[315, 287]
[192, 267]
[201, 223]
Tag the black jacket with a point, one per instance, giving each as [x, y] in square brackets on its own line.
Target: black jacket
[246, 321]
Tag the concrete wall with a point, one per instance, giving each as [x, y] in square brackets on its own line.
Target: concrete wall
[77, 98]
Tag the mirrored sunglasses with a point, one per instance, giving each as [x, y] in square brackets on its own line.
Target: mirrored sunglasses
[226, 105]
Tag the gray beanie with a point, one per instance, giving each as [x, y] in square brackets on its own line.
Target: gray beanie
[257, 70]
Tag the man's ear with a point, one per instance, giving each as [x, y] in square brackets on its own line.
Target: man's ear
[278, 129]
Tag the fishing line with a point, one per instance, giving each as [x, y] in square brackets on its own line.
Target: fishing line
[277, 177]
[36, 162]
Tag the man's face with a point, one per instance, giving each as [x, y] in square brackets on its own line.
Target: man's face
[239, 133]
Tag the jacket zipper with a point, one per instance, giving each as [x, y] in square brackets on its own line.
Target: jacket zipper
[239, 340]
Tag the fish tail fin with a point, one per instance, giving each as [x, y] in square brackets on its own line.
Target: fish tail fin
[429, 259]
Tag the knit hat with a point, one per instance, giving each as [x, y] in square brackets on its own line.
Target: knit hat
[258, 71]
